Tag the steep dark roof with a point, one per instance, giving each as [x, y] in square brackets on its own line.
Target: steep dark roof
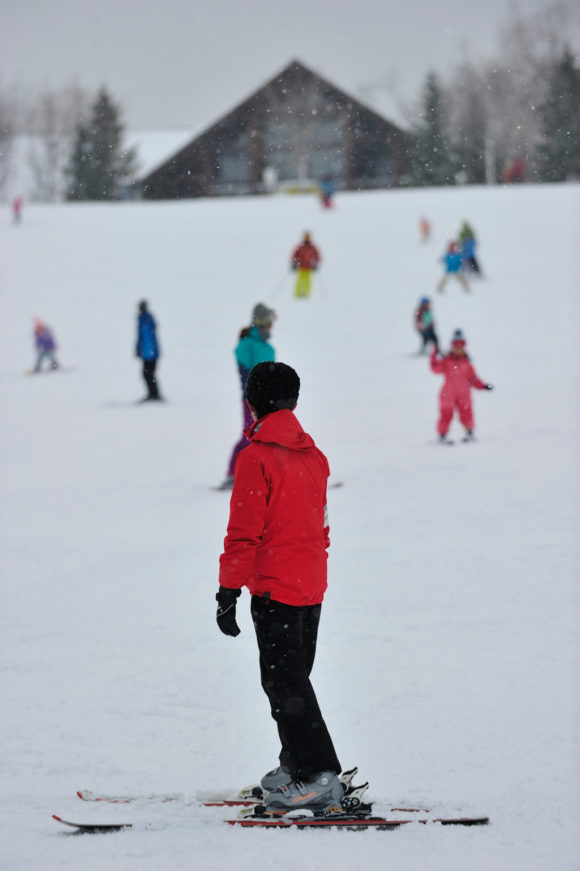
[293, 69]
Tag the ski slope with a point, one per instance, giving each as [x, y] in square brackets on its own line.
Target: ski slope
[449, 654]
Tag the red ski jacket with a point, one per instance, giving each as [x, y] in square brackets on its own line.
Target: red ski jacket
[278, 530]
[459, 374]
[306, 256]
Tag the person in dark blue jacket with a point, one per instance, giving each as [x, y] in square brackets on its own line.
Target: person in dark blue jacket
[468, 244]
[147, 349]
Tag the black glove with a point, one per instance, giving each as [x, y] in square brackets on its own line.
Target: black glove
[226, 611]
[489, 386]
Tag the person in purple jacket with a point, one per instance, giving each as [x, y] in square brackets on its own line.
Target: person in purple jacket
[45, 345]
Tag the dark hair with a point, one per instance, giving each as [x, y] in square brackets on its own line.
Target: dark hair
[272, 387]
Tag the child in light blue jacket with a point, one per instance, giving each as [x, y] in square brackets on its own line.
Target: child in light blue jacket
[453, 262]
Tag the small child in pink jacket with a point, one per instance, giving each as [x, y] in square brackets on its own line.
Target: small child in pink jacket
[455, 395]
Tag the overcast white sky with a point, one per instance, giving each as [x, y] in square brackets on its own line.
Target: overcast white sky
[183, 63]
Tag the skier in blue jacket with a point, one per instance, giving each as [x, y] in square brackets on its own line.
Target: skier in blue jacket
[147, 349]
[453, 263]
[468, 244]
[252, 348]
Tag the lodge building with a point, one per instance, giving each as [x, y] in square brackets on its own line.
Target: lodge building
[298, 128]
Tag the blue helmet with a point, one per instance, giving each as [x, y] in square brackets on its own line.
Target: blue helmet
[424, 300]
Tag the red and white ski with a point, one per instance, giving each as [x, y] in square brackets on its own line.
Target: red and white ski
[247, 797]
[93, 828]
[353, 822]
[164, 798]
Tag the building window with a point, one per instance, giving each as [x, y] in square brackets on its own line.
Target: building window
[311, 143]
[231, 159]
[327, 161]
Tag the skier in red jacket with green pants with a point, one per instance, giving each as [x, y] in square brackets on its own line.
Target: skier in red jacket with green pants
[455, 395]
[276, 546]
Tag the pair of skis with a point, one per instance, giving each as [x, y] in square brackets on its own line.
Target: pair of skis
[252, 813]
[338, 821]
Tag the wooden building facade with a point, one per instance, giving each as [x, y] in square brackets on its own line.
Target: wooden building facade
[297, 127]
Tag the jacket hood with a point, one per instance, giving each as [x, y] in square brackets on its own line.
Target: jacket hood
[261, 333]
[283, 429]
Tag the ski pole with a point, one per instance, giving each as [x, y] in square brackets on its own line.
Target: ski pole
[278, 287]
[321, 284]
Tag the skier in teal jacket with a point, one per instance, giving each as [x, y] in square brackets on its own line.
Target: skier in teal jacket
[252, 348]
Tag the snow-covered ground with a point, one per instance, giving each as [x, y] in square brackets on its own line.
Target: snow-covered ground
[449, 651]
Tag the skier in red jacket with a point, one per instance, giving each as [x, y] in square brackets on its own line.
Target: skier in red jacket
[276, 546]
[305, 260]
[455, 395]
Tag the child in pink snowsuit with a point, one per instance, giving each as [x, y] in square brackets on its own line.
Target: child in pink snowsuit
[460, 377]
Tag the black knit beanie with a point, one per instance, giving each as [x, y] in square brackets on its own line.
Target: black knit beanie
[271, 387]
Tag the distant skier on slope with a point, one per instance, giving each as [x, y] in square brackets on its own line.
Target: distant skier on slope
[305, 260]
[468, 244]
[455, 395]
[425, 228]
[17, 210]
[425, 324]
[147, 349]
[276, 545]
[45, 345]
[453, 263]
[252, 348]
[327, 189]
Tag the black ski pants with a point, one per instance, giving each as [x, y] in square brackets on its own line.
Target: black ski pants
[149, 367]
[287, 643]
[429, 335]
[472, 264]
